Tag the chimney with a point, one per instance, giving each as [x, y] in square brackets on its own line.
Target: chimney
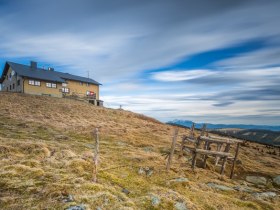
[33, 64]
[51, 69]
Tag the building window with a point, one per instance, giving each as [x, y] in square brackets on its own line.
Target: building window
[14, 86]
[65, 90]
[37, 83]
[31, 82]
[34, 82]
[18, 82]
[10, 87]
[81, 83]
[87, 84]
[51, 85]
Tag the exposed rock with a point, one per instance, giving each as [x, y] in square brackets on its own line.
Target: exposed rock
[141, 171]
[264, 195]
[180, 180]
[180, 206]
[276, 181]
[78, 207]
[147, 171]
[243, 189]
[67, 199]
[98, 208]
[219, 187]
[257, 180]
[155, 200]
[125, 191]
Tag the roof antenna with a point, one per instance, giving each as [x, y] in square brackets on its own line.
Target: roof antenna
[88, 74]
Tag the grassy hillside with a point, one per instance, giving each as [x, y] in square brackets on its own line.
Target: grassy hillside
[46, 150]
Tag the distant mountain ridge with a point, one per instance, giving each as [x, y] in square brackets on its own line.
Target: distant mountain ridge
[260, 136]
[211, 126]
[268, 135]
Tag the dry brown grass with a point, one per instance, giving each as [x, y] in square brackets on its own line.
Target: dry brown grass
[46, 151]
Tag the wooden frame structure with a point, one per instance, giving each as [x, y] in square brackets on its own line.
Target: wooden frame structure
[202, 146]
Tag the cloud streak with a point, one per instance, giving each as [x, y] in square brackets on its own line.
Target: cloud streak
[173, 76]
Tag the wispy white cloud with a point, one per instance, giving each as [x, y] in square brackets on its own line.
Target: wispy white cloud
[258, 59]
[198, 110]
[173, 76]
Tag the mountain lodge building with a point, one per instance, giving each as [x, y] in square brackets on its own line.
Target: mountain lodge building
[37, 81]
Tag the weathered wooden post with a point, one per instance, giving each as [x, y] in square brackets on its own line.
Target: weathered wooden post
[192, 131]
[182, 147]
[225, 159]
[234, 160]
[96, 155]
[219, 147]
[203, 130]
[195, 153]
[172, 149]
[206, 147]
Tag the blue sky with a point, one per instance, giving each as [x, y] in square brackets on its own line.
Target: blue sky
[213, 62]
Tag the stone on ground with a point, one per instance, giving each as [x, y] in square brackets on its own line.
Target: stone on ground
[180, 206]
[276, 181]
[155, 200]
[257, 180]
[265, 195]
[219, 187]
[79, 207]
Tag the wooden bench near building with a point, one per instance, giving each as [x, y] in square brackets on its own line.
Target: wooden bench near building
[206, 146]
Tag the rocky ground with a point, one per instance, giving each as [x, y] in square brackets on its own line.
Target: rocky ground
[46, 150]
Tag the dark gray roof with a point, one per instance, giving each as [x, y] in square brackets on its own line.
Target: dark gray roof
[39, 73]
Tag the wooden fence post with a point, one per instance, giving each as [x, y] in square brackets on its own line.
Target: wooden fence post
[192, 131]
[219, 147]
[206, 147]
[172, 149]
[234, 160]
[96, 155]
[203, 130]
[182, 147]
[225, 159]
[195, 153]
